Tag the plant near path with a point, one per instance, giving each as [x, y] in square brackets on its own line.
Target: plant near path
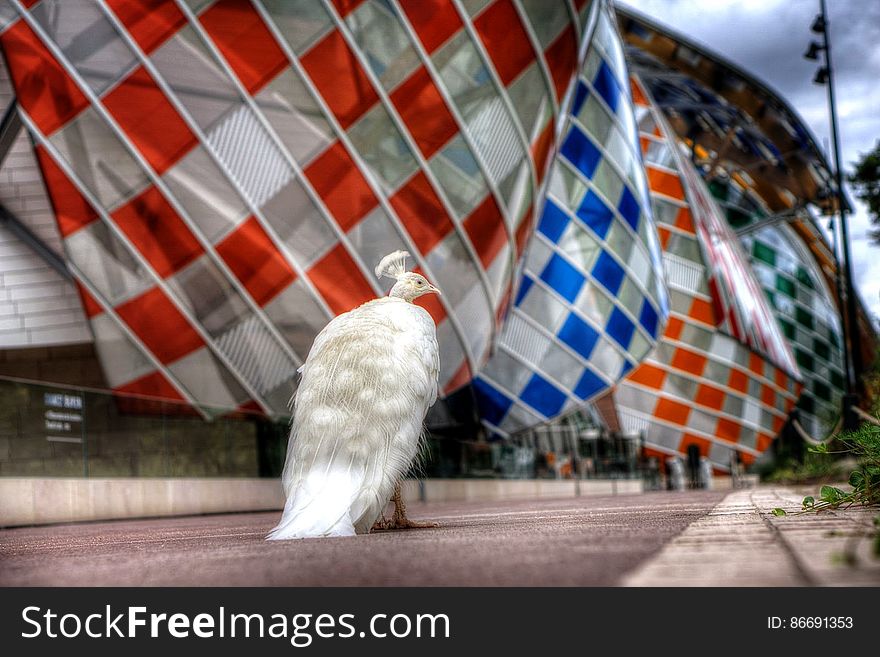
[864, 445]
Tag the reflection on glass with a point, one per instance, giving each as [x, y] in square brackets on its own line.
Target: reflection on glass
[382, 147]
[383, 42]
[209, 295]
[298, 223]
[107, 263]
[205, 193]
[301, 22]
[195, 77]
[87, 39]
[295, 116]
[99, 159]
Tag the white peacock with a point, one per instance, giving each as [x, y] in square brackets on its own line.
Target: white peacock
[367, 383]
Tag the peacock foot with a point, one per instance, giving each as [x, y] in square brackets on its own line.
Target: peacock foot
[402, 522]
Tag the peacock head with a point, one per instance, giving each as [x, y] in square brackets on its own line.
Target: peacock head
[409, 285]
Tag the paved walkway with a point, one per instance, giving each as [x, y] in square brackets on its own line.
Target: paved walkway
[668, 538]
[741, 543]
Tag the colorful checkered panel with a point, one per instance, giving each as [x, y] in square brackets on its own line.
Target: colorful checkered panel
[591, 302]
[728, 392]
[807, 314]
[226, 174]
[787, 258]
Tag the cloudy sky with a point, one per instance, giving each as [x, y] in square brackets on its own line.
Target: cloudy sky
[767, 38]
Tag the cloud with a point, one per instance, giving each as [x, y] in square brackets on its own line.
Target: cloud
[767, 38]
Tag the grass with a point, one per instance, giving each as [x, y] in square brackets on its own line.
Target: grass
[863, 445]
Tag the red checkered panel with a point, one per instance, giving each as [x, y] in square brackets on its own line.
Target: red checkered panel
[43, 88]
[256, 162]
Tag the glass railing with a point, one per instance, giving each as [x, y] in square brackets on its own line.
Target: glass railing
[49, 430]
[56, 430]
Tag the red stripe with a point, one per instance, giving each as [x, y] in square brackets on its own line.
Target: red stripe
[562, 60]
[485, 227]
[256, 262]
[150, 22]
[157, 231]
[72, 210]
[42, 86]
[341, 185]
[523, 232]
[165, 399]
[424, 111]
[345, 7]
[335, 70]
[505, 39]
[245, 41]
[152, 385]
[150, 120]
[421, 212]
[90, 305]
[541, 151]
[340, 282]
[433, 20]
[160, 325]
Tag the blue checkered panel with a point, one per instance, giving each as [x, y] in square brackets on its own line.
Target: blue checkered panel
[591, 301]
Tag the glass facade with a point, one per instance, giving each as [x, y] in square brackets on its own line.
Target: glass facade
[225, 175]
[723, 378]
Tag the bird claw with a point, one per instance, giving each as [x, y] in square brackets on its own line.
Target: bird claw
[384, 524]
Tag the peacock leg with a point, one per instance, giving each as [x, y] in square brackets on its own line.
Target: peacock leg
[399, 520]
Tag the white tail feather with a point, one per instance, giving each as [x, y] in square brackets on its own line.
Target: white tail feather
[393, 265]
[320, 506]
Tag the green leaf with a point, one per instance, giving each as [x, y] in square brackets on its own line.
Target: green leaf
[778, 512]
[831, 494]
[809, 501]
[857, 479]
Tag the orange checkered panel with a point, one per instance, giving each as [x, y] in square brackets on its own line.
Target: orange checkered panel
[705, 384]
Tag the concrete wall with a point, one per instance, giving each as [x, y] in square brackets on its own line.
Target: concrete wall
[35, 501]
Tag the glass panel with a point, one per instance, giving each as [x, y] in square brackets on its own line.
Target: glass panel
[462, 71]
[99, 159]
[380, 144]
[528, 96]
[547, 19]
[301, 22]
[298, 223]
[453, 269]
[205, 193]
[197, 5]
[383, 42]
[123, 361]
[88, 40]
[195, 77]
[107, 263]
[208, 379]
[209, 295]
[459, 174]
[297, 316]
[295, 116]
[373, 238]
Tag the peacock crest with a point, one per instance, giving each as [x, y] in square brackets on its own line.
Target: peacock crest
[393, 265]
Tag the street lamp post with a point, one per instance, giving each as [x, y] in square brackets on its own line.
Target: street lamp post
[852, 354]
